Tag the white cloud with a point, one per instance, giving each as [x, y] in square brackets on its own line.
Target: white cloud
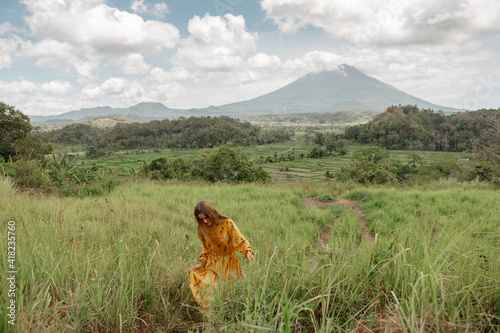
[314, 61]
[121, 92]
[24, 87]
[124, 92]
[7, 48]
[170, 94]
[37, 98]
[91, 92]
[105, 29]
[87, 70]
[64, 56]
[158, 10]
[43, 104]
[20, 88]
[160, 76]
[56, 87]
[389, 22]
[139, 7]
[113, 86]
[49, 52]
[263, 61]
[5, 27]
[215, 44]
[132, 64]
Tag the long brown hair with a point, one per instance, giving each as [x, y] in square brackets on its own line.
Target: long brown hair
[204, 207]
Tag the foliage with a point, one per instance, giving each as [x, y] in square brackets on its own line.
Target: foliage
[225, 163]
[369, 166]
[407, 127]
[371, 154]
[74, 134]
[488, 148]
[327, 144]
[17, 138]
[372, 165]
[64, 172]
[185, 133]
[14, 126]
[30, 174]
[97, 187]
[96, 148]
[31, 147]
[228, 163]
[60, 176]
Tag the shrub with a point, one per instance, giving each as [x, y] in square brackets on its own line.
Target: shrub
[225, 163]
[98, 187]
[61, 176]
[369, 166]
[485, 172]
[30, 174]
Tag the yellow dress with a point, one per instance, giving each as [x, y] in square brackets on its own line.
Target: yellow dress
[220, 261]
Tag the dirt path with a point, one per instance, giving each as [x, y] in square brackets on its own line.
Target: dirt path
[324, 237]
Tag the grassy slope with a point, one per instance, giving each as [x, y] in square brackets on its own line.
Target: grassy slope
[120, 262]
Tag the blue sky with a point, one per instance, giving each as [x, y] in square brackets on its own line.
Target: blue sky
[63, 55]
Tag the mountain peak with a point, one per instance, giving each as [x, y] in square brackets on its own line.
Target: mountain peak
[342, 89]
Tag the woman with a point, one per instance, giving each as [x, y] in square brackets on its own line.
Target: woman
[221, 239]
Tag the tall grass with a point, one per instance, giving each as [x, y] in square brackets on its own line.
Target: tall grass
[119, 263]
[441, 256]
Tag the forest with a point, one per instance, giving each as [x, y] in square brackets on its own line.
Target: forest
[185, 133]
[407, 127]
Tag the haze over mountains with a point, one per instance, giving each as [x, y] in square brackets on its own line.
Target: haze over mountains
[345, 89]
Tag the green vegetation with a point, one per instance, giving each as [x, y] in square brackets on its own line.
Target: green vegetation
[370, 166]
[120, 262]
[17, 139]
[225, 163]
[407, 127]
[60, 176]
[193, 132]
[349, 237]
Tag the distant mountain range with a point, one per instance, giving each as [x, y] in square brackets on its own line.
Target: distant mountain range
[345, 89]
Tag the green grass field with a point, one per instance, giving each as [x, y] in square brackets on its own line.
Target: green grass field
[119, 263]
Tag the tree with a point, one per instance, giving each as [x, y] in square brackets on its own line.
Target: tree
[229, 164]
[369, 166]
[31, 147]
[371, 154]
[489, 149]
[14, 126]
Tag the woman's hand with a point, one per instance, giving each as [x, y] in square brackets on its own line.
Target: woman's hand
[249, 256]
[195, 267]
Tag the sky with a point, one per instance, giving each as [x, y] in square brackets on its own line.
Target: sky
[62, 55]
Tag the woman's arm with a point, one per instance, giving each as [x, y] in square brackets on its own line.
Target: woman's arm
[239, 242]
